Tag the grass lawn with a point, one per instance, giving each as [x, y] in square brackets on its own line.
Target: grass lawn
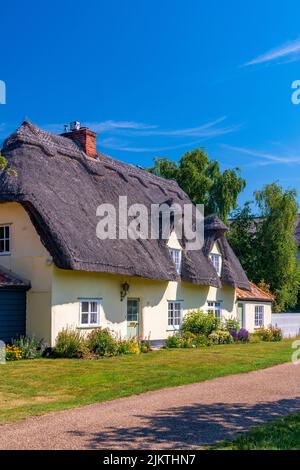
[282, 434]
[35, 387]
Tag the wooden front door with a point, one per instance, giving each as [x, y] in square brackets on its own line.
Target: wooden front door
[133, 317]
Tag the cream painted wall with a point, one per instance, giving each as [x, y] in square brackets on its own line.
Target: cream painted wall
[249, 314]
[71, 286]
[30, 260]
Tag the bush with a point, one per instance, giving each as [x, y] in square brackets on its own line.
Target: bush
[128, 346]
[198, 322]
[145, 346]
[13, 353]
[186, 340]
[220, 337]
[69, 344]
[201, 341]
[31, 348]
[268, 334]
[253, 338]
[102, 342]
[231, 324]
[173, 341]
[243, 335]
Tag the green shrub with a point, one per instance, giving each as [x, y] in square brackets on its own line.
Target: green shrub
[145, 346]
[268, 334]
[231, 324]
[198, 322]
[253, 338]
[102, 342]
[186, 339]
[69, 344]
[201, 341]
[128, 346]
[220, 337]
[31, 348]
[173, 341]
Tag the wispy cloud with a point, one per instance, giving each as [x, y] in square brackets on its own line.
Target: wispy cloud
[263, 157]
[289, 51]
[210, 129]
[115, 144]
[129, 136]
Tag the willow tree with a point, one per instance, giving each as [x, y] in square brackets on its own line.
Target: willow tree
[278, 264]
[203, 181]
[266, 245]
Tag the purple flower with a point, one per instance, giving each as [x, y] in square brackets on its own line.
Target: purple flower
[234, 334]
[243, 335]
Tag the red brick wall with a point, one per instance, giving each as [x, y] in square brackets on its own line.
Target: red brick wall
[85, 138]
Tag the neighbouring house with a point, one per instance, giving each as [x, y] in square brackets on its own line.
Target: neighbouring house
[55, 272]
[254, 307]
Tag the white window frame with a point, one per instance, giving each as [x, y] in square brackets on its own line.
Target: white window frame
[259, 316]
[172, 326]
[90, 312]
[214, 306]
[6, 239]
[216, 260]
[176, 257]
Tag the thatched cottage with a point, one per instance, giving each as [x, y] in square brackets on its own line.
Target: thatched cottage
[55, 272]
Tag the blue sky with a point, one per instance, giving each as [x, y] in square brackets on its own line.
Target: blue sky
[157, 78]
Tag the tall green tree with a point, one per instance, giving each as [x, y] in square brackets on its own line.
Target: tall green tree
[203, 181]
[243, 238]
[266, 244]
[279, 266]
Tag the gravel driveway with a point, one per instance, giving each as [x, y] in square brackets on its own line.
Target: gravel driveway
[176, 418]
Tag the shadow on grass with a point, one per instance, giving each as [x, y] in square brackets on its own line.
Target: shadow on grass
[190, 426]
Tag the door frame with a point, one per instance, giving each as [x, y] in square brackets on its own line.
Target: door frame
[242, 322]
[139, 316]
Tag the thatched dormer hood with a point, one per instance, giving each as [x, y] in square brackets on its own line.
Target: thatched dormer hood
[60, 188]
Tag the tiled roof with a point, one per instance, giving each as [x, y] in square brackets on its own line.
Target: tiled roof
[255, 293]
[11, 280]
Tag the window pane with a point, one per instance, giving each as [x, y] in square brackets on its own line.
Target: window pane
[94, 318]
[1, 246]
[85, 307]
[2, 232]
[6, 231]
[7, 249]
[84, 318]
[94, 307]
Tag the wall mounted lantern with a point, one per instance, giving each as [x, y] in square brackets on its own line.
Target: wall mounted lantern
[124, 290]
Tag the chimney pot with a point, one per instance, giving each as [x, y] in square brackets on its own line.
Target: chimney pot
[84, 137]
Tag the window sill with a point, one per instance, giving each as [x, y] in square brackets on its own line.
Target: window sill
[87, 327]
[5, 254]
[173, 329]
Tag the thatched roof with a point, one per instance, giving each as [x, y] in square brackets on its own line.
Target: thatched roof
[60, 188]
[9, 280]
[255, 294]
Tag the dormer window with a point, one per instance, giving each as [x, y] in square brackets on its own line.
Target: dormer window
[5, 240]
[176, 257]
[216, 260]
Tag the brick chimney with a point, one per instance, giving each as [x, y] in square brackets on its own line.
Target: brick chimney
[83, 136]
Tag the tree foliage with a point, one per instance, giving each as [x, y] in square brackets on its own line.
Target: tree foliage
[4, 167]
[203, 181]
[266, 245]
